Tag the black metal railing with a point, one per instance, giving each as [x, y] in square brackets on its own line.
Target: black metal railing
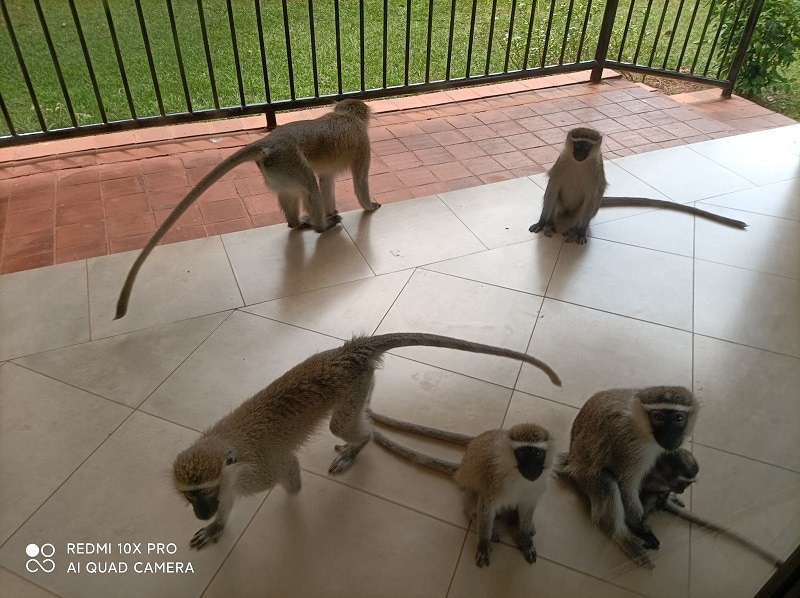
[73, 67]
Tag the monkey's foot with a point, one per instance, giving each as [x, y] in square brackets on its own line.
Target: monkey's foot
[650, 541]
[374, 206]
[548, 228]
[575, 235]
[330, 222]
[482, 556]
[674, 499]
[210, 533]
[636, 553]
[525, 544]
[345, 458]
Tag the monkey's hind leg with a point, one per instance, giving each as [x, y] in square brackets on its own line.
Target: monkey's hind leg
[608, 514]
[290, 206]
[361, 185]
[350, 423]
[290, 478]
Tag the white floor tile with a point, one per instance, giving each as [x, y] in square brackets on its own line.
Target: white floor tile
[731, 380]
[630, 281]
[335, 541]
[46, 430]
[43, 309]
[682, 174]
[756, 160]
[751, 308]
[661, 230]
[177, 282]
[442, 304]
[273, 261]
[409, 234]
[128, 367]
[525, 267]
[13, 585]
[779, 199]
[343, 310]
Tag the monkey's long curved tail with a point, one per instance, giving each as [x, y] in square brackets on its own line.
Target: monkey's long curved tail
[398, 424]
[379, 344]
[447, 467]
[633, 202]
[246, 154]
[671, 507]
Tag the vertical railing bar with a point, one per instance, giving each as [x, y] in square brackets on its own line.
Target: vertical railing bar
[491, 38]
[408, 40]
[642, 32]
[471, 37]
[428, 45]
[361, 40]
[688, 35]
[149, 54]
[12, 131]
[730, 38]
[657, 38]
[450, 40]
[547, 34]
[288, 40]
[625, 31]
[236, 63]
[337, 27]
[385, 49]
[88, 61]
[672, 36]
[120, 64]
[702, 37]
[566, 32]
[263, 48]
[744, 44]
[530, 35]
[56, 65]
[510, 34]
[716, 37]
[604, 39]
[583, 30]
[178, 55]
[313, 36]
[207, 49]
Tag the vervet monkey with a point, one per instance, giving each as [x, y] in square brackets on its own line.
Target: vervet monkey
[673, 473]
[500, 474]
[288, 158]
[616, 440]
[577, 184]
[253, 448]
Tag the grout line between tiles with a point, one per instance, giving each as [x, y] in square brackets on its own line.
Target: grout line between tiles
[233, 270]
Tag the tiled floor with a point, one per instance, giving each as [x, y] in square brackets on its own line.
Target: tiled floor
[75, 199]
[93, 410]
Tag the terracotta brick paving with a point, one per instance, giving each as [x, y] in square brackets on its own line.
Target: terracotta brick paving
[75, 199]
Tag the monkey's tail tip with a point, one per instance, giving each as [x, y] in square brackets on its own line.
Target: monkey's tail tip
[121, 311]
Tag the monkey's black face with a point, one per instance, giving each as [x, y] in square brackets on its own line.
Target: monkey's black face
[680, 484]
[204, 502]
[669, 427]
[581, 149]
[530, 461]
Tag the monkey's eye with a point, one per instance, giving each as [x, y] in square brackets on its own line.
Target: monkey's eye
[678, 418]
[207, 491]
[536, 452]
[658, 417]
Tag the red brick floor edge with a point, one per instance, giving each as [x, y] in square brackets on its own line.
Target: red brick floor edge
[107, 194]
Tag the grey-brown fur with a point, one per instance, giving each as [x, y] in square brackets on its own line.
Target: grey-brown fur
[576, 189]
[253, 448]
[288, 158]
[488, 476]
[612, 450]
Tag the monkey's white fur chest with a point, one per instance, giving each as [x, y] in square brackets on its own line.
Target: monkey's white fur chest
[518, 490]
[575, 189]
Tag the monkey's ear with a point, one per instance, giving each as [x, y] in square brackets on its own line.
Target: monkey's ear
[230, 458]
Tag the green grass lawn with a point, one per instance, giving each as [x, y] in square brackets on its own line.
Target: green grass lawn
[660, 24]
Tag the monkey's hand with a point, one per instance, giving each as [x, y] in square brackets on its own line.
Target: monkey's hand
[575, 234]
[547, 227]
[347, 453]
[525, 544]
[210, 533]
[482, 556]
[674, 499]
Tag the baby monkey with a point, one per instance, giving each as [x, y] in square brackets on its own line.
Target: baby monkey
[500, 475]
[673, 473]
[577, 184]
[253, 448]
